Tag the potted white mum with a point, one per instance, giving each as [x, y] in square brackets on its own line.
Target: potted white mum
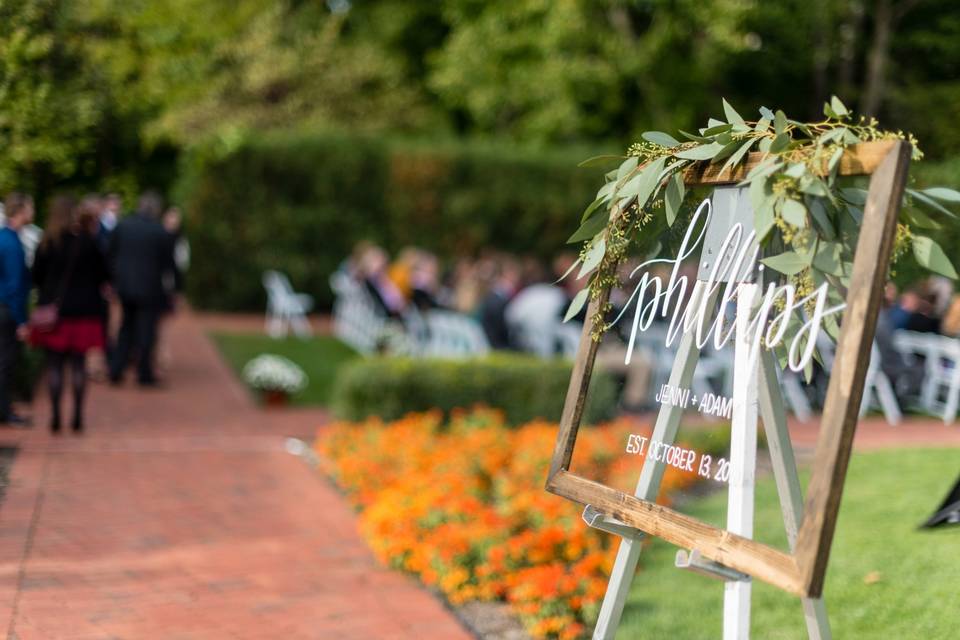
[275, 377]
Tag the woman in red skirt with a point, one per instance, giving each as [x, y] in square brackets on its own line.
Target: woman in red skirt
[70, 273]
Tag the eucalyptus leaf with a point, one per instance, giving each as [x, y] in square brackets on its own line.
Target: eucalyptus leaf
[788, 263]
[766, 113]
[838, 107]
[764, 169]
[829, 258]
[919, 219]
[738, 155]
[762, 124]
[649, 180]
[732, 116]
[781, 142]
[821, 218]
[587, 230]
[673, 197]
[763, 219]
[795, 169]
[713, 122]
[631, 187]
[577, 304]
[930, 256]
[764, 145]
[591, 209]
[854, 196]
[599, 161]
[661, 138]
[568, 271]
[834, 161]
[726, 151]
[703, 152]
[717, 129]
[693, 137]
[814, 186]
[849, 137]
[606, 191]
[628, 165]
[594, 255]
[943, 194]
[794, 212]
[930, 202]
[780, 122]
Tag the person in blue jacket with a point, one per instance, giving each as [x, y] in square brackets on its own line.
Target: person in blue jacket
[14, 289]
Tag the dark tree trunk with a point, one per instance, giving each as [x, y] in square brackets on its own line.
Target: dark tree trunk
[852, 23]
[873, 89]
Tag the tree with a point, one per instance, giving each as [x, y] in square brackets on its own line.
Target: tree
[49, 99]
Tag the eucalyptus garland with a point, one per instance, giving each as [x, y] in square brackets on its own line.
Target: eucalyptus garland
[806, 221]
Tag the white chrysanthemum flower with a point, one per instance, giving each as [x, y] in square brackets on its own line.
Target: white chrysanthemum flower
[270, 372]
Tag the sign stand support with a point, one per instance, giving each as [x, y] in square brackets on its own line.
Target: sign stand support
[756, 394]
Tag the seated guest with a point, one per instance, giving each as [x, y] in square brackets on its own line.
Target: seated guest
[425, 282]
[914, 312]
[371, 269]
[506, 283]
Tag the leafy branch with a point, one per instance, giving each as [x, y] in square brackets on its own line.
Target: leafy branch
[798, 204]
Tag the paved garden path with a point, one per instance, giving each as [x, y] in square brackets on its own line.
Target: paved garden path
[180, 515]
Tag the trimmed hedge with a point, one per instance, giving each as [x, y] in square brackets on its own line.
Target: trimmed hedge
[299, 203]
[524, 387]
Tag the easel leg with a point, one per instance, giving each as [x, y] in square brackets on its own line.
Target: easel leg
[648, 486]
[788, 485]
[743, 464]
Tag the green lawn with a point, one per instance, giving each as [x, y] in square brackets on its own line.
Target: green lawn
[320, 357]
[887, 495]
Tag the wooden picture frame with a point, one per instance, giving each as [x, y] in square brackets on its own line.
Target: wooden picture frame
[802, 572]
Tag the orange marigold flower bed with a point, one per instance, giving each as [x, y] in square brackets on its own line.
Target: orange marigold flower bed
[460, 503]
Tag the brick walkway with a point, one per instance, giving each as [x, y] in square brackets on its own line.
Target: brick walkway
[180, 515]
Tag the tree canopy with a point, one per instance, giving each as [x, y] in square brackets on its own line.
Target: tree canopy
[93, 90]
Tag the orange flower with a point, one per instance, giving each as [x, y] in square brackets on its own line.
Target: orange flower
[461, 505]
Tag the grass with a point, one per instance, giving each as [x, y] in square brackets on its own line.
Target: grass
[887, 495]
[320, 357]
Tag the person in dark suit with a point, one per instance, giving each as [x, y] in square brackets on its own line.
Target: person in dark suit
[70, 272]
[141, 253]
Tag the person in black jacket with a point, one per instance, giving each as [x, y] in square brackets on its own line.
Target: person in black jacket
[70, 272]
[141, 253]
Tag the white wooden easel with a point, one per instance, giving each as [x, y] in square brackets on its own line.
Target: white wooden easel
[756, 393]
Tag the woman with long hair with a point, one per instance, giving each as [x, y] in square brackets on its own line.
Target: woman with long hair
[70, 273]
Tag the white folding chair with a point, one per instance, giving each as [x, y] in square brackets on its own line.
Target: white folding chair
[447, 334]
[286, 309]
[941, 380]
[877, 390]
[357, 320]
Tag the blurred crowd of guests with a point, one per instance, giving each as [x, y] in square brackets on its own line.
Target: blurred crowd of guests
[497, 289]
[86, 257]
[928, 306]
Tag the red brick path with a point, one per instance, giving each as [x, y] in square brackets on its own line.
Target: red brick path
[180, 515]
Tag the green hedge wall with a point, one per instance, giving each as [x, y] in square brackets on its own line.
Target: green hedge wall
[524, 387]
[300, 202]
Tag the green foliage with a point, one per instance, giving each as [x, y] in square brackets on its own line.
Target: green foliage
[807, 222]
[299, 203]
[320, 357]
[49, 103]
[524, 387]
